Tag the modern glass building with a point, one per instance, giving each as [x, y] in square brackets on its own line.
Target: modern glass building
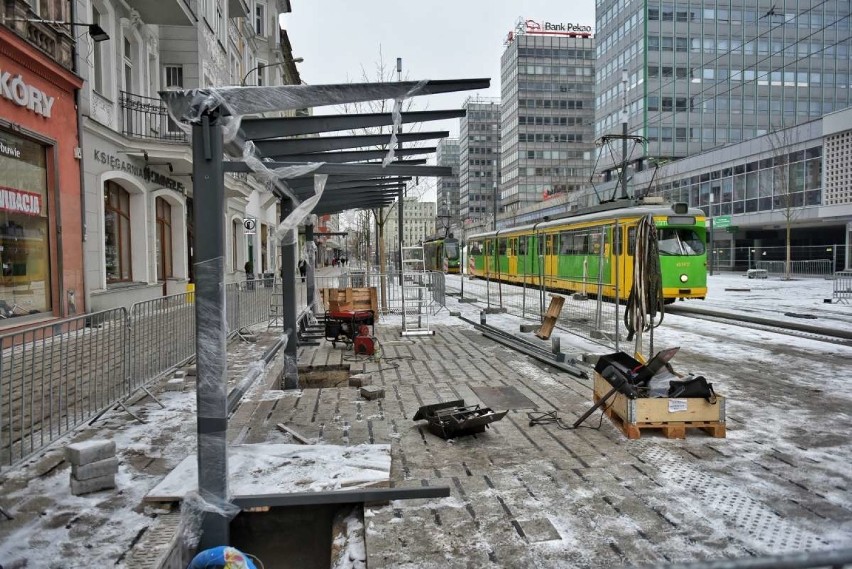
[448, 186]
[548, 84]
[479, 154]
[702, 73]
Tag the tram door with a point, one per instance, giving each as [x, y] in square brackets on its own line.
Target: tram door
[512, 256]
[551, 248]
[489, 257]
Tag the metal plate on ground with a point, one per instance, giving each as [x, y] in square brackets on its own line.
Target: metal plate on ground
[502, 397]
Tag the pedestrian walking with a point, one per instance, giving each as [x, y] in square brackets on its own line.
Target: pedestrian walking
[303, 268]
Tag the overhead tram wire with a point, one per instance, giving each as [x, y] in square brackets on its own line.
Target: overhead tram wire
[757, 37]
[771, 55]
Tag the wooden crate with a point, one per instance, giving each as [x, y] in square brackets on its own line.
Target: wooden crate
[336, 299]
[553, 311]
[633, 416]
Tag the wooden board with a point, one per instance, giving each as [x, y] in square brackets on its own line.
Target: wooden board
[634, 415]
[550, 317]
[336, 299]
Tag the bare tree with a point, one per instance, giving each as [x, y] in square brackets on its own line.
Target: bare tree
[788, 187]
[381, 73]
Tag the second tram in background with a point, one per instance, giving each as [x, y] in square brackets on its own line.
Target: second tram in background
[442, 254]
[574, 253]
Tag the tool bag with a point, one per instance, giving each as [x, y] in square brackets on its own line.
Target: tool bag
[696, 386]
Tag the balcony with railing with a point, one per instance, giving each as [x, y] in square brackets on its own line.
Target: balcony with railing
[147, 118]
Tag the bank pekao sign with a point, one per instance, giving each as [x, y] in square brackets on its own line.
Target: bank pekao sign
[551, 28]
[17, 90]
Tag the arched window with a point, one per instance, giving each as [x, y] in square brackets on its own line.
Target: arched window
[164, 239]
[117, 233]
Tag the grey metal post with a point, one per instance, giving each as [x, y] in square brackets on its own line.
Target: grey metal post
[624, 115]
[310, 275]
[288, 298]
[401, 193]
[211, 327]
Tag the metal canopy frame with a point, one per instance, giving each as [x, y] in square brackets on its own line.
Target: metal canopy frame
[352, 155]
[261, 129]
[352, 186]
[287, 146]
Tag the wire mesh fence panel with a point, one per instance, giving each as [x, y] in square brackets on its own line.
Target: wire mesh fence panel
[163, 336]
[57, 376]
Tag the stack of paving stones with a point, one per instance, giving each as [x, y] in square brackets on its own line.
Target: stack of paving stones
[93, 466]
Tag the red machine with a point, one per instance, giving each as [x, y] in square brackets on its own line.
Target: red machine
[364, 343]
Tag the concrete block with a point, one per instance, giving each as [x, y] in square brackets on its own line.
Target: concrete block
[372, 392]
[96, 469]
[175, 384]
[80, 487]
[530, 327]
[180, 374]
[89, 451]
[360, 380]
[191, 371]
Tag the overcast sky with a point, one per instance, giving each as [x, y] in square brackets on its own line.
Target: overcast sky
[436, 40]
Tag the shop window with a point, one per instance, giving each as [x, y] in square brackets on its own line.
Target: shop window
[164, 239]
[117, 249]
[24, 241]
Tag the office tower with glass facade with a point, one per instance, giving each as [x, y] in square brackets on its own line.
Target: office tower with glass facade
[448, 186]
[479, 157]
[702, 74]
[547, 123]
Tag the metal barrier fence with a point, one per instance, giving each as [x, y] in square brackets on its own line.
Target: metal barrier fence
[812, 268]
[163, 336]
[842, 287]
[588, 315]
[388, 289]
[56, 376]
[743, 258]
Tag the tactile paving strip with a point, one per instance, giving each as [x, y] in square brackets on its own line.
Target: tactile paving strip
[758, 523]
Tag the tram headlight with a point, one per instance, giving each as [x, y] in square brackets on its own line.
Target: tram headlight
[684, 278]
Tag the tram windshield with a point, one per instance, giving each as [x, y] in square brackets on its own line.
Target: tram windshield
[679, 242]
[451, 249]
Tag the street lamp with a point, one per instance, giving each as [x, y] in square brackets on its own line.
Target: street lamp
[97, 33]
[265, 65]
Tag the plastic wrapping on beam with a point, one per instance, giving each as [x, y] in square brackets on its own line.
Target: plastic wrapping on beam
[397, 119]
[285, 233]
[194, 508]
[238, 101]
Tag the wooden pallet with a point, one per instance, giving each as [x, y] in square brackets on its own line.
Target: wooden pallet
[671, 430]
[550, 316]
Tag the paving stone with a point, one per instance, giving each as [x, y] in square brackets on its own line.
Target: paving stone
[89, 451]
[372, 392]
[81, 487]
[360, 379]
[97, 469]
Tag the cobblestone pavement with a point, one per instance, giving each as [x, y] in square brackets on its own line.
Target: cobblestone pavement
[521, 495]
[539, 496]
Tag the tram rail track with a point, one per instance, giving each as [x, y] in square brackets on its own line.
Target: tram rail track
[799, 330]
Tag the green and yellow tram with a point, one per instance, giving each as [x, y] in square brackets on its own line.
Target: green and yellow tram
[442, 254]
[571, 254]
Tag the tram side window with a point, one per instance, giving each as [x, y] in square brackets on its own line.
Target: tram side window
[617, 232]
[475, 248]
[595, 243]
[580, 245]
[501, 247]
[522, 246]
[566, 241]
[511, 250]
[631, 240]
[548, 249]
